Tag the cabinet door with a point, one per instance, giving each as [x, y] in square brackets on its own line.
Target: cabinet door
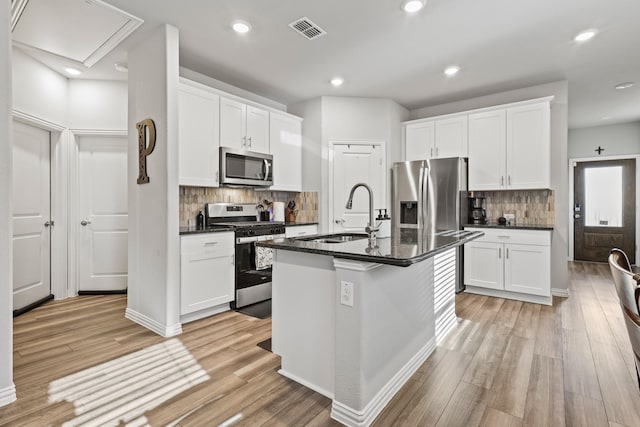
[487, 140]
[483, 265]
[418, 141]
[285, 141]
[199, 133]
[257, 132]
[451, 138]
[206, 273]
[528, 146]
[232, 124]
[527, 269]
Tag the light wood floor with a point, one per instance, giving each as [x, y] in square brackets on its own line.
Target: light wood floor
[507, 363]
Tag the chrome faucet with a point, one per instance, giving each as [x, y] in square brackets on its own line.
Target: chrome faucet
[371, 228]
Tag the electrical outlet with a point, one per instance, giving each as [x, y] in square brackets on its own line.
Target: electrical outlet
[346, 293]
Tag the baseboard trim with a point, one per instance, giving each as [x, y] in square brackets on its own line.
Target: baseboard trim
[305, 383]
[191, 317]
[8, 395]
[559, 292]
[153, 325]
[350, 417]
[536, 299]
[31, 306]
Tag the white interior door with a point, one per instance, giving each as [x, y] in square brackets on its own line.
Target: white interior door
[31, 215]
[354, 163]
[102, 213]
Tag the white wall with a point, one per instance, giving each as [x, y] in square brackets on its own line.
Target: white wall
[618, 139]
[38, 90]
[97, 104]
[559, 158]
[154, 241]
[7, 389]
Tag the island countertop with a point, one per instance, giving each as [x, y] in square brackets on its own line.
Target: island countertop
[402, 250]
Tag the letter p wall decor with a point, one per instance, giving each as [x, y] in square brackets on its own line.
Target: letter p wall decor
[145, 147]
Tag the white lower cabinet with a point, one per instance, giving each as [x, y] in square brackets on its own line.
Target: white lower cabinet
[206, 271]
[300, 230]
[512, 264]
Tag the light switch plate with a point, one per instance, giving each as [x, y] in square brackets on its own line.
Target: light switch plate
[346, 293]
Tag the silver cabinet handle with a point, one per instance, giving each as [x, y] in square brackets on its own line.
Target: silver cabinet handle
[502, 181]
[509, 179]
[84, 222]
[233, 259]
[503, 237]
[437, 151]
[210, 243]
[244, 141]
[499, 252]
[431, 152]
[249, 141]
[507, 253]
[301, 233]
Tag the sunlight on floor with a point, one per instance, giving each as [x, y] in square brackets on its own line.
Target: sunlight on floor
[123, 389]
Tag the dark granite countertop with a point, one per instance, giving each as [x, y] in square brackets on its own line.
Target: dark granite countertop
[294, 224]
[195, 230]
[403, 250]
[511, 227]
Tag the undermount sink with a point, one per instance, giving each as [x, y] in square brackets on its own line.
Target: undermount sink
[333, 238]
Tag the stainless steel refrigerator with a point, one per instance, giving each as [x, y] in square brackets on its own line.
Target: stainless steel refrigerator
[430, 197]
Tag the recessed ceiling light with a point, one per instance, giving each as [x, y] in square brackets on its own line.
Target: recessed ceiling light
[241, 27]
[605, 118]
[452, 70]
[337, 81]
[585, 35]
[412, 6]
[625, 85]
[73, 71]
[121, 66]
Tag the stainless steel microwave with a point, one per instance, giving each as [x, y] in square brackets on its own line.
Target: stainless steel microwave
[239, 167]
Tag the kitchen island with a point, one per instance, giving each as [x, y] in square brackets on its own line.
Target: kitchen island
[354, 322]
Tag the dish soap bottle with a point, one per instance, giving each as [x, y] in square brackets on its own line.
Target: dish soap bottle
[200, 220]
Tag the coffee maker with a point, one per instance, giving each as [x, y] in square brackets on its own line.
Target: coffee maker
[477, 211]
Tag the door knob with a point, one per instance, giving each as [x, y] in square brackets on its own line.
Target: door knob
[48, 223]
[576, 216]
[340, 221]
[84, 222]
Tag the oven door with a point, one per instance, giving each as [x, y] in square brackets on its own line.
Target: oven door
[245, 168]
[253, 271]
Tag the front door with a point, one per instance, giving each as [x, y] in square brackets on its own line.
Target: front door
[102, 213]
[354, 163]
[604, 209]
[31, 215]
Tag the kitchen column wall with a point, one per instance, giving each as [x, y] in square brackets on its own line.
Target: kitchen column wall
[154, 241]
[7, 389]
[559, 159]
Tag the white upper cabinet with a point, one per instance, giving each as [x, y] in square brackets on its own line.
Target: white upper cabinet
[435, 139]
[418, 140]
[451, 138]
[509, 148]
[199, 132]
[243, 127]
[487, 150]
[528, 146]
[285, 137]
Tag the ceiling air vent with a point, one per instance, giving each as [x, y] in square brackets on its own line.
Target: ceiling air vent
[306, 28]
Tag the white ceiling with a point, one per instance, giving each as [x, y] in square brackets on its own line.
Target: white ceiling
[383, 52]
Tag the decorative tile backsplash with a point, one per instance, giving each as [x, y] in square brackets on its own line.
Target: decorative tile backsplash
[193, 199]
[531, 207]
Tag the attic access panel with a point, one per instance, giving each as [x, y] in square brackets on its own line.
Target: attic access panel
[81, 30]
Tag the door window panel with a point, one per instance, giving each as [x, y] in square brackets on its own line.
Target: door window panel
[603, 196]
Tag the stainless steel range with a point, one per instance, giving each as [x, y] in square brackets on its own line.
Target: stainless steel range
[253, 265]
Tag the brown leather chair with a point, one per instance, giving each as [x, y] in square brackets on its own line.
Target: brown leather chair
[628, 290]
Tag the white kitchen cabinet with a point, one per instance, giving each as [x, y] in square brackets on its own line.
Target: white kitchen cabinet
[300, 230]
[206, 271]
[198, 136]
[487, 150]
[512, 264]
[418, 140]
[243, 127]
[285, 142]
[509, 148]
[437, 138]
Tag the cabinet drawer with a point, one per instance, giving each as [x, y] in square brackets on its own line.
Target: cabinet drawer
[522, 237]
[301, 230]
[209, 243]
